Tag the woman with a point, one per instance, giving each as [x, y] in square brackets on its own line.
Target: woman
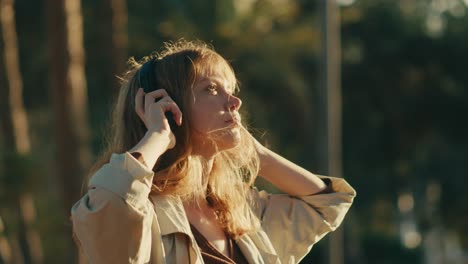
[175, 184]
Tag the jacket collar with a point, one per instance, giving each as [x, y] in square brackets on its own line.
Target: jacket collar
[173, 219]
[171, 214]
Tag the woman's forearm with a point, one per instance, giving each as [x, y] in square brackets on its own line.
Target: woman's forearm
[288, 176]
[151, 147]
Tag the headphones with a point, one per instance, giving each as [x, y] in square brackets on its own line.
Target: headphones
[148, 81]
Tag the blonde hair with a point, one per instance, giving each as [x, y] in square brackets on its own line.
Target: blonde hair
[178, 171]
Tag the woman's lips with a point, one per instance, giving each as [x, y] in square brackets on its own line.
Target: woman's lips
[233, 121]
[230, 121]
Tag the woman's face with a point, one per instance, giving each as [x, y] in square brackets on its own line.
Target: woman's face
[214, 110]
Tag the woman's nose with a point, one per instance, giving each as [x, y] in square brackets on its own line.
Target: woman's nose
[233, 103]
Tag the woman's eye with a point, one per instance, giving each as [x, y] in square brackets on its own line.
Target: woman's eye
[212, 89]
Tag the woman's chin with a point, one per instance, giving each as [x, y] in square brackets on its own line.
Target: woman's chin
[224, 139]
[230, 138]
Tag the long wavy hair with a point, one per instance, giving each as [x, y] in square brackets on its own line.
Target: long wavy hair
[179, 172]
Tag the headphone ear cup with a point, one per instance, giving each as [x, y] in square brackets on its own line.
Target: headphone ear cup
[170, 119]
[148, 81]
[147, 77]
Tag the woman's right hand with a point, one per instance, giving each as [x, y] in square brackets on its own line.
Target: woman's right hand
[152, 113]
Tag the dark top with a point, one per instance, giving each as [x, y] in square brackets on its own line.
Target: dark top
[211, 255]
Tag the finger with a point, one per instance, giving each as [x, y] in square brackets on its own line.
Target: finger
[175, 110]
[152, 96]
[158, 93]
[139, 97]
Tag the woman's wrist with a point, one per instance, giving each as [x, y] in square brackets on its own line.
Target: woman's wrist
[261, 150]
[264, 156]
[287, 176]
[151, 147]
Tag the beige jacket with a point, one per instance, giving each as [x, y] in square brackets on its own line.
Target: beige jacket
[118, 221]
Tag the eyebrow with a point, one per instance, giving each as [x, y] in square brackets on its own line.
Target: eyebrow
[201, 84]
[231, 88]
[210, 80]
[205, 80]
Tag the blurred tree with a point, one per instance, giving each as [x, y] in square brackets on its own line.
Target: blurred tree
[113, 40]
[5, 247]
[69, 97]
[15, 129]
[6, 250]
[405, 89]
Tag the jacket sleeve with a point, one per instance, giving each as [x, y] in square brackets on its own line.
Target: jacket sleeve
[112, 221]
[295, 224]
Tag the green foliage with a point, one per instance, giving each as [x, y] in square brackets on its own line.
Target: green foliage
[404, 95]
[377, 248]
[19, 173]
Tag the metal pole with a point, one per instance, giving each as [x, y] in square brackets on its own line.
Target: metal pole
[329, 133]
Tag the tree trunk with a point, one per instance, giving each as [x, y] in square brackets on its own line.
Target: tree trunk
[69, 97]
[15, 129]
[18, 132]
[5, 246]
[113, 38]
